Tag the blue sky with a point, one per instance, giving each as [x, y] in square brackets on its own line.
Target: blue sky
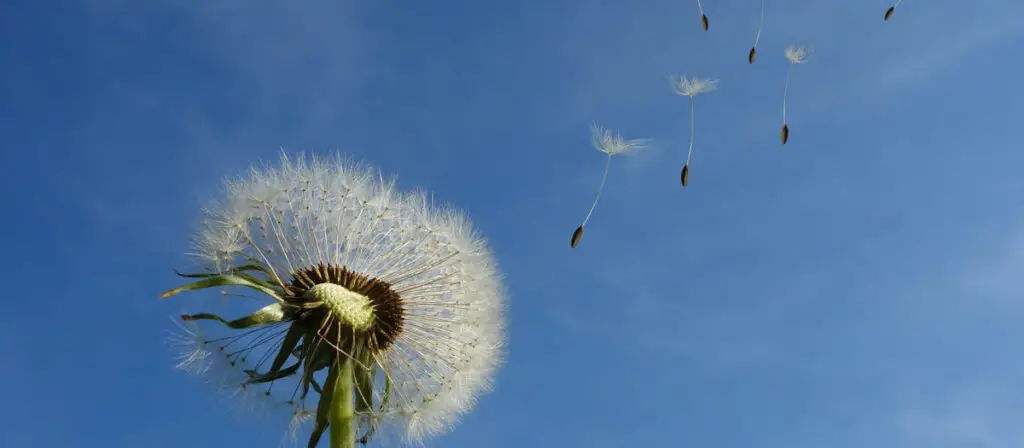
[857, 287]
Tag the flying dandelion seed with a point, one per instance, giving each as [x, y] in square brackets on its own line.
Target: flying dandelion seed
[703, 17]
[691, 87]
[760, 26]
[388, 309]
[796, 54]
[611, 144]
[892, 9]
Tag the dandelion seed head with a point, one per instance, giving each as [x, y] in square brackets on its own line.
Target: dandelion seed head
[692, 86]
[612, 144]
[797, 54]
[385, 272]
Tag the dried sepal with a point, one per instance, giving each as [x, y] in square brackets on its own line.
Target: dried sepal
[752, 55]
[685, 175]
[785, 133]
[704, 21]
[576, 236]
[888, 13]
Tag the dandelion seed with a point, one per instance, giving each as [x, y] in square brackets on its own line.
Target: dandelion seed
[611, 144]
[703, 17]
[397, 301]
[796, 54]
[760, 26]
[691, 87]
[226, 373]
[892, 9]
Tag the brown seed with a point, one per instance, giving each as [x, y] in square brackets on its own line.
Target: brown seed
[686, 174]
[888, 13]
[704, 21]
[785, 133]
[753, 54]
[576, 236]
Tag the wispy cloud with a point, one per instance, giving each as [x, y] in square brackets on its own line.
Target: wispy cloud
[984, 415]
[998, 280]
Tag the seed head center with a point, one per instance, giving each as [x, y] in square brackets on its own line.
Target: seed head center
[351, 308]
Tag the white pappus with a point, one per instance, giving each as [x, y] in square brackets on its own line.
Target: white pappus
[398, 301]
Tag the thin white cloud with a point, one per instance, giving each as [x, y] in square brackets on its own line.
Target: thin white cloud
[1000, 278]
[977, 416]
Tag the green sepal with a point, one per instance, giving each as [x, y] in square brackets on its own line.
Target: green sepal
[241, 271]
[224, 280]
[257, 378]
[269, 314]
[234, 270]
[323, 409]
[308, 340]
[288, 348]
[291, 339]
[365, 370]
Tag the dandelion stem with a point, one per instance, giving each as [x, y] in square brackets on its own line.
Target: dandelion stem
[604, 177]
[760, 26]
[343, 434]
[689, 151]
[700, 7]
[785, 92]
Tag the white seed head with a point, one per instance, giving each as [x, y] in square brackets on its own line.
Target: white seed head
[692, 86]
[612, 144]
[308, 212]
[797, 54]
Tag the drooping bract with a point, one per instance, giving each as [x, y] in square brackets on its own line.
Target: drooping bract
[795, 54]
[610, 144]
[691, 87]
[383, 314]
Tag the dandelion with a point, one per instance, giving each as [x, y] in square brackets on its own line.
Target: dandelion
[703, 18]
[611, 145]
[691, 87]
[892, 9]
[796, 54]
[760, 26]
[388, 309]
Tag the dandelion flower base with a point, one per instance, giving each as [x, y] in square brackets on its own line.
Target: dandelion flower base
[353, 309]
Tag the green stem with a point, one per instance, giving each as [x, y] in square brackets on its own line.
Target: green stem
[342, 421]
